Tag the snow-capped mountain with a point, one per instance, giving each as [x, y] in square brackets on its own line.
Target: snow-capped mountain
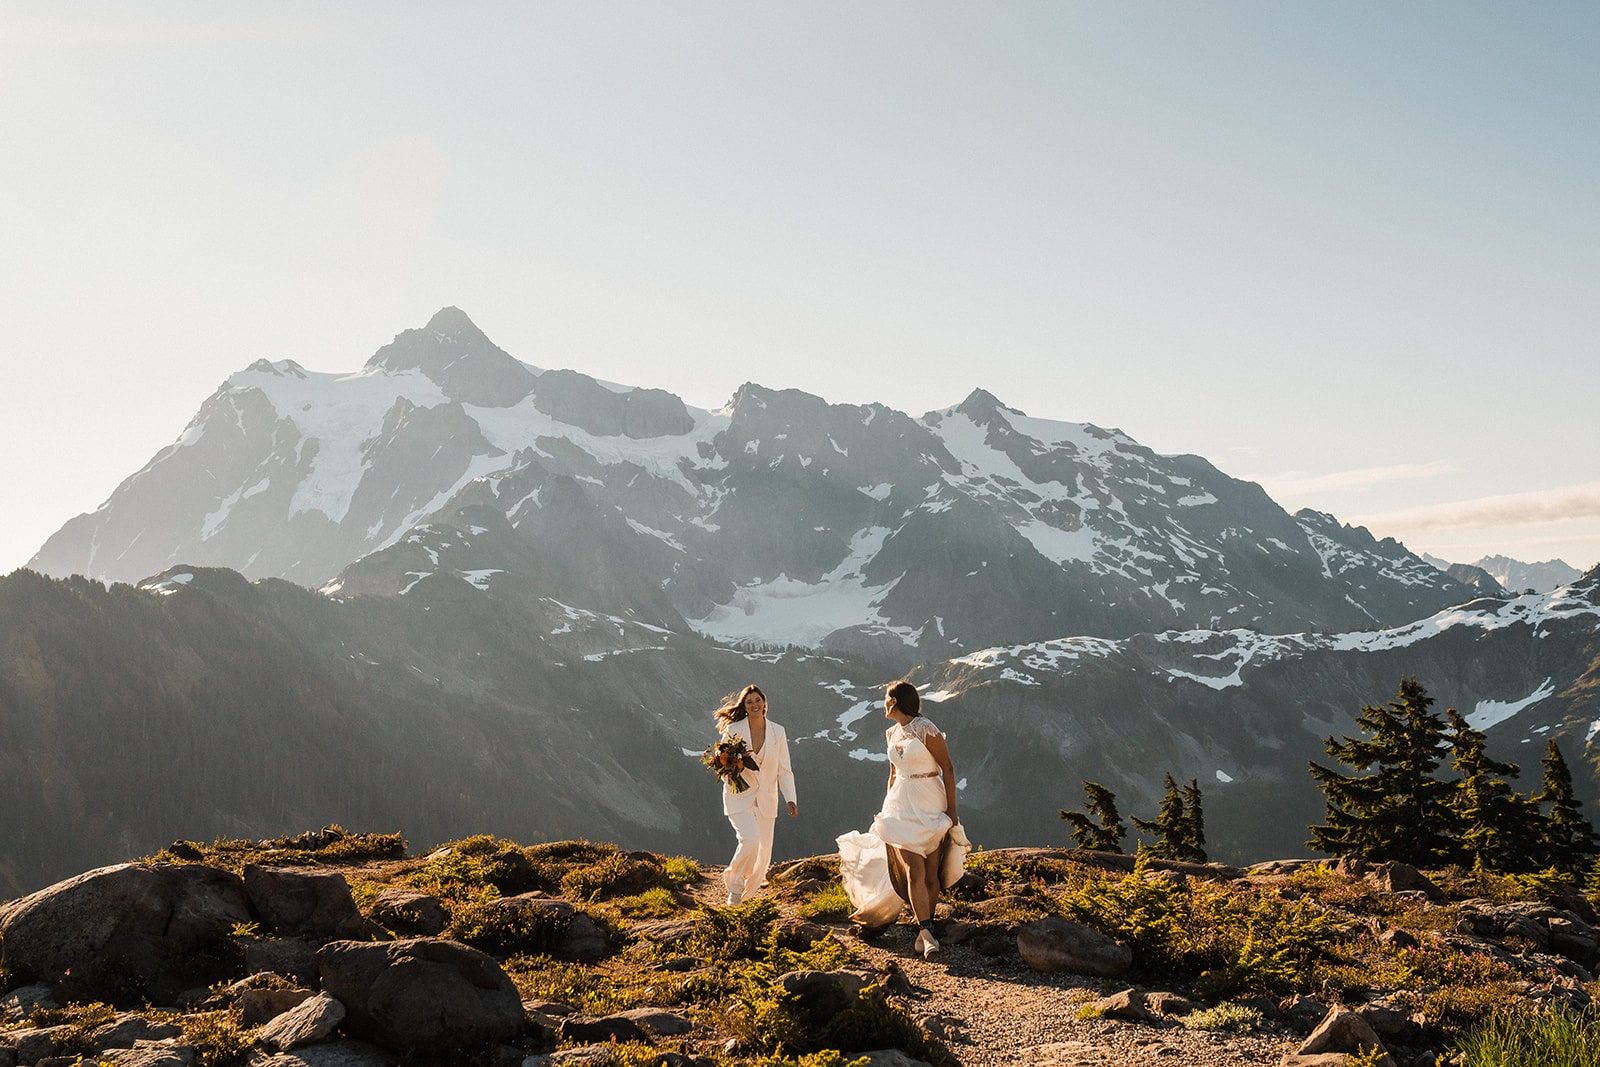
[1517, 576]
[779, 520]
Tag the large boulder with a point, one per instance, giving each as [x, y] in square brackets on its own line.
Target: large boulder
[1344, 1032]
[1056, 944]
[122, 932]
[410, 912]
[314, 1019]
[421, 994]
[298, 903]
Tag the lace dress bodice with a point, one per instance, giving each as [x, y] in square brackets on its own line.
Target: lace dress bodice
[908, 748]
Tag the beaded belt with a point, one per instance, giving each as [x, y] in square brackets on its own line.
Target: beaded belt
[930, 774]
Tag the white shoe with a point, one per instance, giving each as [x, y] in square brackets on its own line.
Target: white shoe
[925, 945]
[733, 898]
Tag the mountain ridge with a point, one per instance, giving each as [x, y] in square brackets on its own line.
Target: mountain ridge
[903, 531]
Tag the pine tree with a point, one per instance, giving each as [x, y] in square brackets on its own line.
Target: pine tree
[1569, 840]
[1395, 809]
[1107, 834]
[1195, 823]
[1496, 827]
[1170, 827]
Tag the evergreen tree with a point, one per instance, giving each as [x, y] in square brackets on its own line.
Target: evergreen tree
[1194, 842]
[1395, 809]
[1105, 835]
[1170, 827]
[1496, 827]
[1569, 840]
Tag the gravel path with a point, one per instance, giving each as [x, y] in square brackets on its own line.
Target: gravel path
[1001, 1012]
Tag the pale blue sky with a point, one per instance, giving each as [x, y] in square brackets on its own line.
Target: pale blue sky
[1351, 251]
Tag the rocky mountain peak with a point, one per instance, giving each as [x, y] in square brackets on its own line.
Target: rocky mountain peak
[982, 407]
[455, 324]
[460, 359]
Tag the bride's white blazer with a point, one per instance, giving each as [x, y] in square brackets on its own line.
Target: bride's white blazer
[775, 772]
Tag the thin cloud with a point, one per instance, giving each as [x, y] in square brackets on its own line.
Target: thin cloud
[1513, 509]
[1302, 485]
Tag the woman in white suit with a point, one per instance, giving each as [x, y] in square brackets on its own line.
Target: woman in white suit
[754, 812]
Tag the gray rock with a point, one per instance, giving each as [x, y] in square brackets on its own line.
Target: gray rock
[889, 1057]
[660, 1023]
[421, 994]
[287, 956]
[332, 1054]
[667, 931]
[152, 1054]
[1124, 1004]
[1395, 937]
[1142, 1006]
[826, 992]
[118, 929]
[33, 1045]
[1303, 1013]
[1346, 1033]
[8, 1056]
[258, 1006]
[584, 940]
[128, 1030]
[313, 1020]
[408, 911]
[601, 1030]
[295, 903]
[1393, 1024]
[25, 1000]
[1402, 877]
[1054, 944]
[572, 1057]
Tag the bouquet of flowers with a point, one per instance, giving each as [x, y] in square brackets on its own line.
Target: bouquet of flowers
[729, 758]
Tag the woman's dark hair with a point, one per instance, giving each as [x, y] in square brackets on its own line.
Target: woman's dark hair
[732, 709]
[906, 700]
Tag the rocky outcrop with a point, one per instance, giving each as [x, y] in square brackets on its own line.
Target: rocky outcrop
[421, 994]
[296, 903]
[126, 930]
[1057, 944]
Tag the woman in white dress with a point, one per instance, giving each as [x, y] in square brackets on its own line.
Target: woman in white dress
[754, 812]
[920, 806]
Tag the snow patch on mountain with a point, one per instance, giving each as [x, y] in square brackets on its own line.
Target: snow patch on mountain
[791, 612]
[1493, 712]
[341, 412]
[1239, 649]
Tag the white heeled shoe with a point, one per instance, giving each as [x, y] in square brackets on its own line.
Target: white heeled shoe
[925, 944]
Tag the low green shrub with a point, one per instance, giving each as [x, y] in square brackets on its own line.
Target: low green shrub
[828, 1057]
[828, 905]
[1225, 1017]
[1230, 941]
[1555, 1037]
[496, 927]
[657, 903]
[736, 932]
[615, 875]
[681, 871]
[220, 1038]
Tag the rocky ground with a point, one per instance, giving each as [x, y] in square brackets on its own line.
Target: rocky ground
[335, 950]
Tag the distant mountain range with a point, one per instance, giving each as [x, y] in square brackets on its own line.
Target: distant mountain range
[779, 520]
[531, 587]
[1500, 574]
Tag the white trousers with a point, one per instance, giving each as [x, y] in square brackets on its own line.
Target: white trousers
[747, 871]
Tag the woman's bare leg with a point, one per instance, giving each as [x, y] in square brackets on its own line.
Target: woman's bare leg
[922, 882]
